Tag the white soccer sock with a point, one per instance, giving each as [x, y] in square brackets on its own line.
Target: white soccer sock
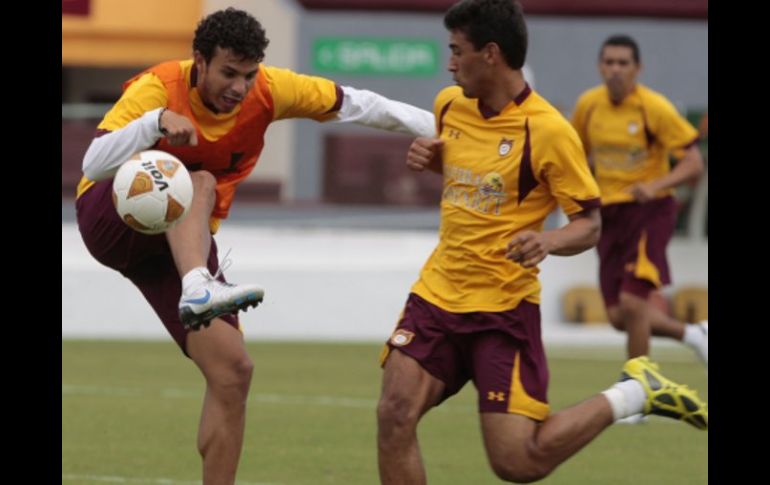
[693, 335]
[626, 398]
[696, 338]
[194, 278]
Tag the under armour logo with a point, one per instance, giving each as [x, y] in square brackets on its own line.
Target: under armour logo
[495, 396]
[454, 133]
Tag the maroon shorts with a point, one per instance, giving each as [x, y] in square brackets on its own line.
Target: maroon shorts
[632, 247]
[145, 260]
[501, 352]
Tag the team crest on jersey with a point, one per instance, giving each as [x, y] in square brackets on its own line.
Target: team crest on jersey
[633, 127]
[492, 185]
[401, 337]
[504, 148]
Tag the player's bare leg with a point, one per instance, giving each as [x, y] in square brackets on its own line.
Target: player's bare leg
[220, 354]
[203, 297]
[408, 392]
[636, 317]
[190, 240]
[522, 450]
[662, 325]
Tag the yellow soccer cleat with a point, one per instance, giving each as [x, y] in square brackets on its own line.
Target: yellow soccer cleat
[664, 396]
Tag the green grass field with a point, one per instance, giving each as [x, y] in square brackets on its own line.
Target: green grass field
[130, 413]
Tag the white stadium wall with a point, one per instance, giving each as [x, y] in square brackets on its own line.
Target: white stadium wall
[326, 284]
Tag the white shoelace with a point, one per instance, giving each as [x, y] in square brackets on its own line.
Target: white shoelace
[224, 263]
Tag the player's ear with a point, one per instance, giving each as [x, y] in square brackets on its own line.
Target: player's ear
[199, 60]
[491, 52]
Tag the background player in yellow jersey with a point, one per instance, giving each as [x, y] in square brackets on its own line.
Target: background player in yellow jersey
[628, 131]
[211, 112]
[508, 158]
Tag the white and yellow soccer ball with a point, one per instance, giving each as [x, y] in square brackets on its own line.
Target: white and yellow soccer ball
[152, 191]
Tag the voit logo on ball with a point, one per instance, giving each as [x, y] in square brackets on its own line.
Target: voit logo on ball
[152, 191]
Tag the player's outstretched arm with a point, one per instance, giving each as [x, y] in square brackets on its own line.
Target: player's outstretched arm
[371, 109]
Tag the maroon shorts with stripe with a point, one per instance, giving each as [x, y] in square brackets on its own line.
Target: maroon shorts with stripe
[632, 247]
[501, 352]
[145, 260]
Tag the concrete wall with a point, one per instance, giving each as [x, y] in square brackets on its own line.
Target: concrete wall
[339, 284]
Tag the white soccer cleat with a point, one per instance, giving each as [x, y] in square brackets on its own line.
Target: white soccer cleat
[664, 396]
[213, 298]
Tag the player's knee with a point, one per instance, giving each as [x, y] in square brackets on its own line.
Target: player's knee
[615, 316]
[520, 472]
[237, 374]
[618, 323]
[203, 182]
[243, 368]
[396, 412]
[529, 464]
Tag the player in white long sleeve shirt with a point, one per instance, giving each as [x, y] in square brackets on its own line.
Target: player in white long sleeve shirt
[211, 112]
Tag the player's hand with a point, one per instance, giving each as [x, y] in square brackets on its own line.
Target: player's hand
[177, 129]
[421, 153]
[643, 192]
[528, 248]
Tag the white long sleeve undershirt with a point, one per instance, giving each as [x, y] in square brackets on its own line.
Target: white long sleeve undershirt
[107, 152]
[374, 110]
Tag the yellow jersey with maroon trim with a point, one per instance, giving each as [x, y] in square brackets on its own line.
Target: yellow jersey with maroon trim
[630, 142]
[229, 144]
[503, 173]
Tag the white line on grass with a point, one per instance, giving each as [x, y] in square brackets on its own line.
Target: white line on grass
[97, 391]
[283, 399]
[154, 481]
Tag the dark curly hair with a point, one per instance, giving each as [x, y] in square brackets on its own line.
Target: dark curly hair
[498, 21]
[621, 40]
[231, 29]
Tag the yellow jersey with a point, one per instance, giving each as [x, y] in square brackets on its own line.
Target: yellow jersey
[630, 142]
[503, 173]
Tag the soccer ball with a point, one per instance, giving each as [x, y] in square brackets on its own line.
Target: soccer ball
[152, 191]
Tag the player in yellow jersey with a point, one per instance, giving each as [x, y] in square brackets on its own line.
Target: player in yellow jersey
[628, 131]
[508, 158]
[211, 112]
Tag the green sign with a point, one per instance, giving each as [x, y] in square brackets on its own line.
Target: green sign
[375, 57]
